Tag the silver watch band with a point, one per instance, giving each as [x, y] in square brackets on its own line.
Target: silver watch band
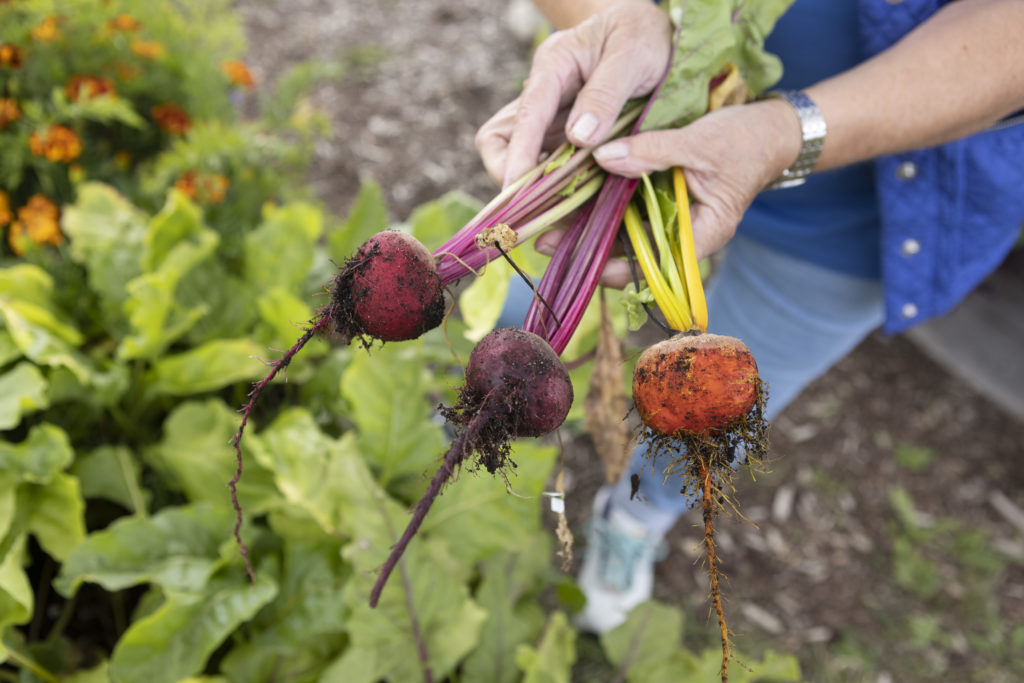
[812, 129]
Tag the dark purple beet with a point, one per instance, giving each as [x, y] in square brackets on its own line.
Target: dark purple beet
[526, 368]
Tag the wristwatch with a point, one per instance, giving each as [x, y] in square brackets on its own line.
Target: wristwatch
[812, 129]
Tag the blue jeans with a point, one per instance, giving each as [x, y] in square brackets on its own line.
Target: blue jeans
[798, 320]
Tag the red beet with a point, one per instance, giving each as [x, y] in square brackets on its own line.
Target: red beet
[515, 386]
[526, 368]
[389, 290]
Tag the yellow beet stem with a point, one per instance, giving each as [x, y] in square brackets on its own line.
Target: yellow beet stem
[667, 260]
[669, 305]
[691, 268]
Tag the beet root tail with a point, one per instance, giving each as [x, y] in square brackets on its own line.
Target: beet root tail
[461, 447]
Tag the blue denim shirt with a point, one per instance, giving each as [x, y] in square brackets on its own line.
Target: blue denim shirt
[949, 214]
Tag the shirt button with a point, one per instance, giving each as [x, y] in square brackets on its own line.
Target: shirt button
[907, 170]
[909, 311]
[910, 247]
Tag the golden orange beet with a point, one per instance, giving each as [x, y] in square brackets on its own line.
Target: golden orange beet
[694, 383]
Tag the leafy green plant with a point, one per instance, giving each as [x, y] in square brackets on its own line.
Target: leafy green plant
[98, 91]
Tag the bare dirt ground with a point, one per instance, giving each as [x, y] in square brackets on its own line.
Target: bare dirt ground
[834, 564]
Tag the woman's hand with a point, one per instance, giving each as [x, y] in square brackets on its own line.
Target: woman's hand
[578, 83]
[728, 156]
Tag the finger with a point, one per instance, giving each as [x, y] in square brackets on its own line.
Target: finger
[600, 101]
[616, 274]
[634, 52]
[553, 82]
[492, 140]
[642, 153]
[549, 240]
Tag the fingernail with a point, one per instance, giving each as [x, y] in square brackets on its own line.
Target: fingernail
[545, 248]
[616, 149]
[583, 128]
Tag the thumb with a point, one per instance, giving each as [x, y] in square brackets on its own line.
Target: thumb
[642, 153]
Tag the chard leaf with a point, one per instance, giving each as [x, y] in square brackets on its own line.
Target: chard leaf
[106, 235]
[469, 510]
[176, 244]
[56, 514]
[368, 216]
[22, 391]
[551, 661]
[175, 641]
[308, 466]
[39, 458]
[178, 549]
[196, 457]
[16, 600]
[279, 252]
[386, 390]
[513, 616]
[434, 222]
[214, 365]
[112, 473]
[296, 636]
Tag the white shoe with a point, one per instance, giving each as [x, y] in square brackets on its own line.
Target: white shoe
[618, 566]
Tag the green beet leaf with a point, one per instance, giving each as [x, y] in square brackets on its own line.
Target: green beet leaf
[39, 458]
[514, 617]
[196, 457]
[367, 217]
[309, 467]
[175, 641]
[434, 222]
[22, 391]
[297, 635]
[16, 601]
[382, 644]
[387, 394]
[112, 473]
[213, 365]
[178, 549]
[279, 252]
[106, 236]
[710, 34]
[56, 514]
[552, 659]
[176, 244]
[479, 515]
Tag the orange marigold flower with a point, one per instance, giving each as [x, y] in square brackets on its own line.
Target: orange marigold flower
[205, 188]
[9, 111]
[171, 118]
[124, 22]
[57, 143]
[11, 55]
[5, 209]
[238, 73]
[150, 49]
[125, 71]
[87, 86]
[39, 221]
[47, 30]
